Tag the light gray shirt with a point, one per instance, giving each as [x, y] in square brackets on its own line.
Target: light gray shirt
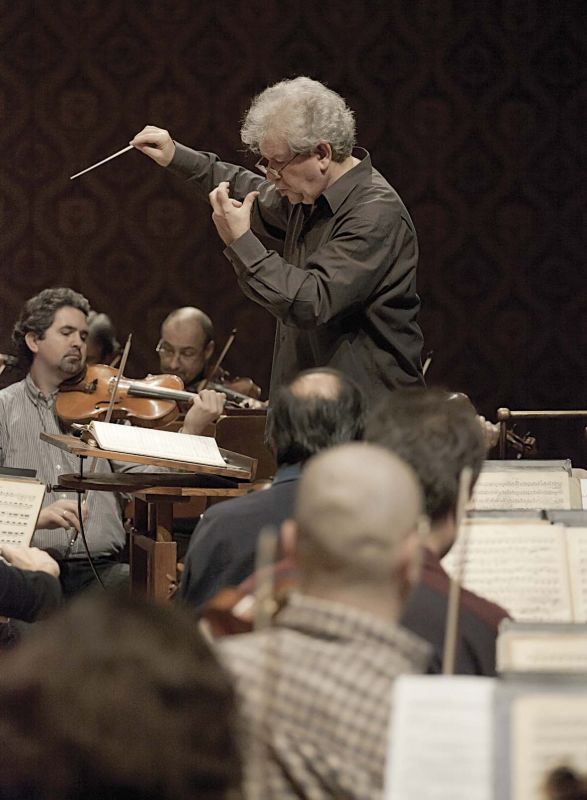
[24, 413]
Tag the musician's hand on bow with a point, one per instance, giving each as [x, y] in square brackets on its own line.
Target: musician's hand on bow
[61, 514]
[231, 217]
[29, 558]
[155, 143]
[207, 406]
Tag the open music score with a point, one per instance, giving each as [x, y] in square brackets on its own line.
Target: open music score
[441, 738]
[526, 487]
[541, 647]
[536, 571]
[20, 505]
[469, 738]
[154, 443]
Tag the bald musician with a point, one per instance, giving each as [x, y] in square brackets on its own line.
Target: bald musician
[315, 687]
[186, 345]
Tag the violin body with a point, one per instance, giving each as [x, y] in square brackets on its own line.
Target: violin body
[244, 386]
[89, 398]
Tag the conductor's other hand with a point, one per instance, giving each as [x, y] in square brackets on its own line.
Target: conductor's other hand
[231, 217]
[30, 558]
[155, 143]
[207, 406]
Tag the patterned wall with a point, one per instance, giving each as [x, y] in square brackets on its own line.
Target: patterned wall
[475, 111]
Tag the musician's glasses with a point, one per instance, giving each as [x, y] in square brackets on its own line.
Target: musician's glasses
[167, 352]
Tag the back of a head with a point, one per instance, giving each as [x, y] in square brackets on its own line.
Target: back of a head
[116, 698]
[438, 434]
[303, 112]
[356, 505]
[102, 336]
[318, 409]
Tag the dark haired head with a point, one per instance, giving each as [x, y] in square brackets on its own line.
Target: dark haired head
[564, 784]
[319, 408]
[116, 698]
[38, 313]
[102, 342]
[438, 434]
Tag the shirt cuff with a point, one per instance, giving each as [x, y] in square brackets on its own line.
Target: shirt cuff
[245, 253]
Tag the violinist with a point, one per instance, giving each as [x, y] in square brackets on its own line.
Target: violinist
[185, 349]
[51, 336]
[186, 345]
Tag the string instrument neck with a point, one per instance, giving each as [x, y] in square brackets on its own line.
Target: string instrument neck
[144, 389]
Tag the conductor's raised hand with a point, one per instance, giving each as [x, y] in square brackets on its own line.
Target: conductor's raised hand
[231, 217]
[155, 143]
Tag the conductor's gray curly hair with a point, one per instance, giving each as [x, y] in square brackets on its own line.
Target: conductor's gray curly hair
[304, 112]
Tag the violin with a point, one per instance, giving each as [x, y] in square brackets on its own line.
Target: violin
[232, 609]
[524, 446]
[240, 392]
[243, 392]
[150, 403]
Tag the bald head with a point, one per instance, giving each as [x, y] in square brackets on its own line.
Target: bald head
[187, 343]
[356, 505]
[319, 384]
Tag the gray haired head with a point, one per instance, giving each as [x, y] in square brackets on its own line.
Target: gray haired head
[304, 112]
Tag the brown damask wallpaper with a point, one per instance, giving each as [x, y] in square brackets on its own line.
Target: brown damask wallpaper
[473, 109]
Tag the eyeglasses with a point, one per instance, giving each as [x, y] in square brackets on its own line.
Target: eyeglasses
[270, 172]
[165, 350]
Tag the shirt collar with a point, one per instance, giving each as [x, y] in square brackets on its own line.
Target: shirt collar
[35, 394]
[340, 189]
[286, 473]
[332, 620]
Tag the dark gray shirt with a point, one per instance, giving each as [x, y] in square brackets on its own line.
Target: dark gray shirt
[339, 278]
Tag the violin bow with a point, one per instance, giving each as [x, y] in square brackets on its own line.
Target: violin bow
[121, 369]
[265, 604]
[452, 614]
[427, 362]
[220, 358]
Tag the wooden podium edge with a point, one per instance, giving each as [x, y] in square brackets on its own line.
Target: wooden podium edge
[238, 466]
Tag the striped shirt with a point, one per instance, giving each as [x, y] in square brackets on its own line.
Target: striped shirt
[315, 694]
[25, 412]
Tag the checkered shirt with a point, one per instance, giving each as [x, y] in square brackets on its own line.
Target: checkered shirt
[315, 699]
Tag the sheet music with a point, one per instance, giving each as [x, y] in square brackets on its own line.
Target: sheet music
[547, 731]
[523, 488]
[577, 558]
[20, 505]
[441, 739]
[522, 568]
[545, 650]
[157, 444]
